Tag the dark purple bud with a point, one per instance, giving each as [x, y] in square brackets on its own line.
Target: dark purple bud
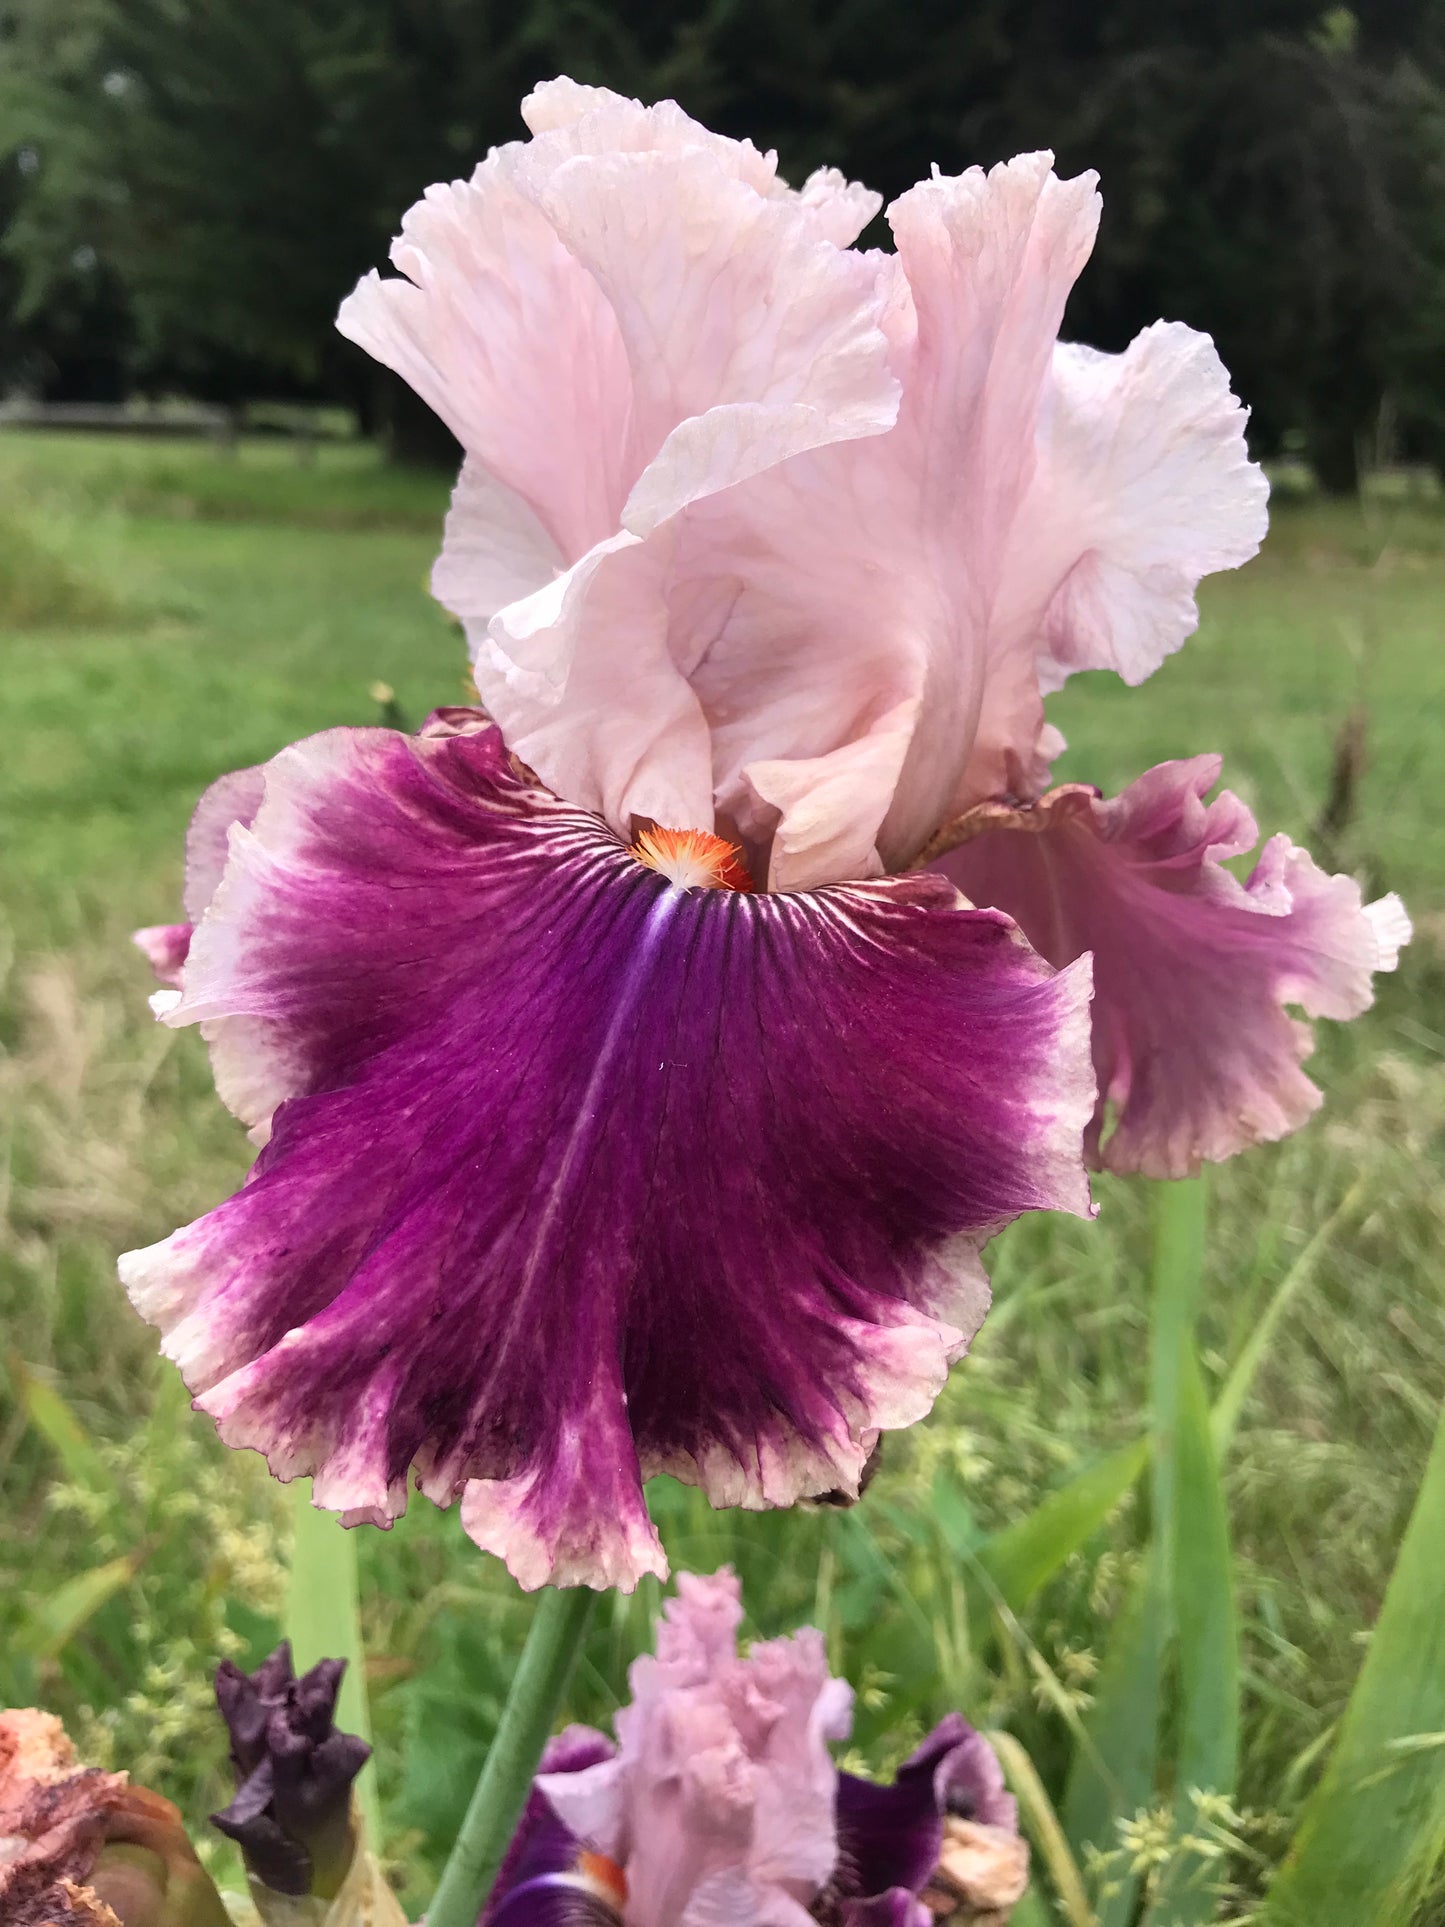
[291, 1816]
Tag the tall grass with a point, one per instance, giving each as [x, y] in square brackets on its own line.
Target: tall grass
[1176, 1472]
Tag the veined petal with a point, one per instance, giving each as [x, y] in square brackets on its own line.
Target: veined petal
[1193, 969]
[577, 1175]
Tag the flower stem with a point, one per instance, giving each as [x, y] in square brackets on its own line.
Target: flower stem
[553, 1641]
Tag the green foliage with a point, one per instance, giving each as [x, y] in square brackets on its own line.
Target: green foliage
[993, 1563]
[39, 588]
[1373, 1832]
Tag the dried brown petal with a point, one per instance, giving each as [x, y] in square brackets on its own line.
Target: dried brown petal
[982, 1873]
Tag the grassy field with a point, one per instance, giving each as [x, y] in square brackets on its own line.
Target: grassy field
[169, 612]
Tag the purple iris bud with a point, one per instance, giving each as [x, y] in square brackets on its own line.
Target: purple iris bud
[291, 1816]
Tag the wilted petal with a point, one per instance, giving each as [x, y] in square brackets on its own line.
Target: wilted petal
[82, 1848]
[1195, 1054]
[581, 1176]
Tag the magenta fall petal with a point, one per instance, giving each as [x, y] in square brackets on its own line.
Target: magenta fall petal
[1193, 970]
[577, 1176]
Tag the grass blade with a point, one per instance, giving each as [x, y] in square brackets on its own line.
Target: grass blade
[1374, 1828]
[1235, 1390]
[1042, 1825]
[323, 1621]
[60, 1428]
[1116, 1775]
[1027, 1553]
[49, 1629]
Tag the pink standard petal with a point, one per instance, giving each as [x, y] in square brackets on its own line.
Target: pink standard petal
[1195, 1052]
[620, 317]
[576, 1175]
[843, 675]
[720, 1802]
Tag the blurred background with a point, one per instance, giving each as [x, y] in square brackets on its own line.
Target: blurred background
[187, 185]
[216, 522]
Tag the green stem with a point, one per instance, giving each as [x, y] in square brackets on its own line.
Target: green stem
[323, 1621]
[553, 1642]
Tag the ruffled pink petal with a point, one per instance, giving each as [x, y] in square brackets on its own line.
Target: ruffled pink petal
[719, 1804]
[575, 1175]
[512, 342]
[620, 317]
[598, 121]
[1145, 485]
[1195, 1053]
[844, 674]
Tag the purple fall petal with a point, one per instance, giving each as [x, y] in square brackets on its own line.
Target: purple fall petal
[536, 1883]
[234, 798]
[578, 1176]
[1192, 1044]
[890, 1836]
[899, 1907]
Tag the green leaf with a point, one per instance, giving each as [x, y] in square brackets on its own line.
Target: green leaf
[323, 1621]
[50, 1627]
[1373, 1831]
[60, 1428]
[1027, 1553]
[1207, 1753]
[1116, 1774]
[1113, 1774]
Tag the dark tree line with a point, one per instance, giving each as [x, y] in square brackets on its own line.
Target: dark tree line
[188, 186]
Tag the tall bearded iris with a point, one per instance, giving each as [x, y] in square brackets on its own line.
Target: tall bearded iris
[642, 1060]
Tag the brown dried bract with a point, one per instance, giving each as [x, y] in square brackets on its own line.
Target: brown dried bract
[54, 1817]
[981, 1876]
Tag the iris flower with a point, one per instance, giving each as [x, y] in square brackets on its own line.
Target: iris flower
[643, 1058]
[720, 1801]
